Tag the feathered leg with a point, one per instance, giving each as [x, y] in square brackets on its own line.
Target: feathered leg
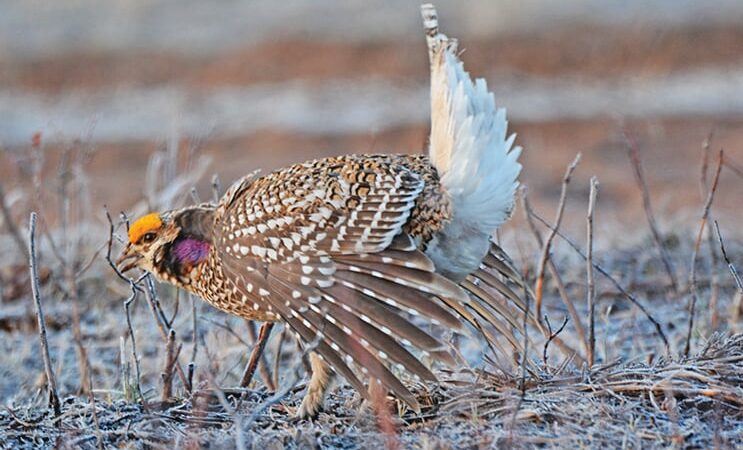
[319, 382]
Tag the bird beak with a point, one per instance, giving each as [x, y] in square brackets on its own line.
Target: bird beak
[128, 260]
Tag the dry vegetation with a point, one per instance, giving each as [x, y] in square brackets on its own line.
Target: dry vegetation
[132, 364]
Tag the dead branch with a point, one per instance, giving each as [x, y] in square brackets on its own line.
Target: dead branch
[127, 309]
[731, 267]
[10, 224]
[524, 359]
[591, 289]
[613, 281]
[216, 188]
[162, 323]
[263, 369]
[171, 356]
[633, 151]
[195, 339]
[539, 286]
[705, 163]
[714, 291]
[734, 166]
[257, 353]
[555, 274]
[50, 379]
[552, 336]
[697, 244]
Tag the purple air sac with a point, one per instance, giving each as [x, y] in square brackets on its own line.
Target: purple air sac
[191, 251]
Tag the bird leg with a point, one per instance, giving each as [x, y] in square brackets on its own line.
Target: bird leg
[315, 396]
[256, 354]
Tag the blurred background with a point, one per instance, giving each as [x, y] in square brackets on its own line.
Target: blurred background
[263, 83]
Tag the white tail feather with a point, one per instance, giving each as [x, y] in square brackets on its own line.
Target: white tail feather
[471, 150]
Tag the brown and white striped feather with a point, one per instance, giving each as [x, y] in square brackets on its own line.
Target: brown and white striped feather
[324, 244]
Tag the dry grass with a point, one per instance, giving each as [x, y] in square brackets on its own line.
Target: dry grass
[178, 388]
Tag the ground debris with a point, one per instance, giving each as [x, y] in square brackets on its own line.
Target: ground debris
[693, 402]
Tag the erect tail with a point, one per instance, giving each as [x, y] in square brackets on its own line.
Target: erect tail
[469, 145]
[478, 167]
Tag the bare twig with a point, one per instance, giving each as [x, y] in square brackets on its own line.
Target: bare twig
[162, 323]
[72, 292]
[697, 244]
[613, 281]
[731, 267]
[525, 356]
[257, 353]
[714, 291]
[127, 309]
[705, 163]
[591, 289]
[176, 306]
[82, 352]
[10, 224]
[633, 151]
[109, 250]
[539, 286]
[263, 369]
[237, 418]
[552, 336]
[524, 359]
[555, 274]
[51, 381]
[733, 166]
[171, 356]
[195, 339]
[216, 188]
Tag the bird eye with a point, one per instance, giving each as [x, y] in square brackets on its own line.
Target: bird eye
[148, 237]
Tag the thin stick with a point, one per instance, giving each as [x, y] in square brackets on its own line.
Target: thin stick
[216, 188]
[591, 290]
[263, 369]
[69, 274]
[539, 286]
[195, 338]
[255, 355]
[552, 336]
[171, 356]
[705, 163]
[233, 412]
[10, 224]
[613, 281]
[733, 166]
[714, 291]
[127, 308]
[633, 151]
[51, 381]
[731, 267]
[524, 359]
[555, 274]
[694, 255]
[162, 323]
